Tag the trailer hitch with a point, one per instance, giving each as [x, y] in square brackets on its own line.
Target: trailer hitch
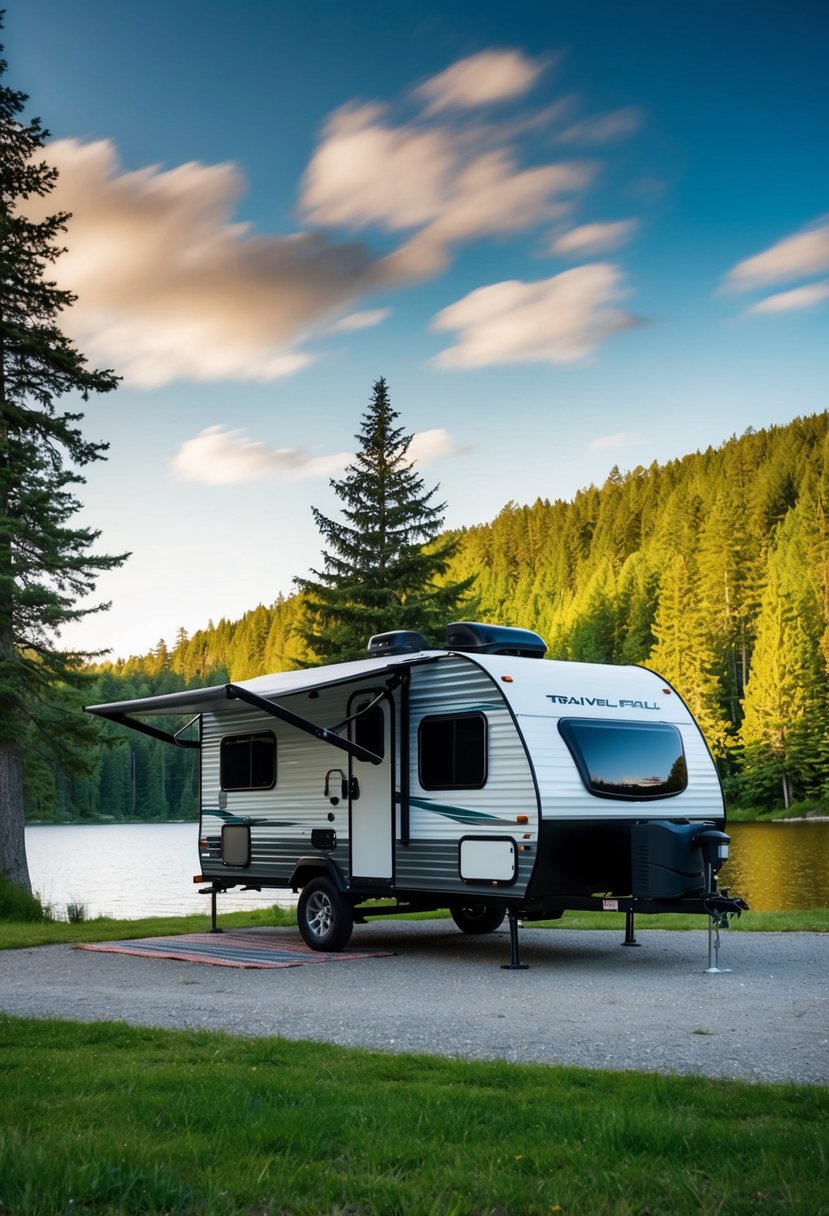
[721, 906]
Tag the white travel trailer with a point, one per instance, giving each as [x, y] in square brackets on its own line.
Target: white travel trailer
[475, 777]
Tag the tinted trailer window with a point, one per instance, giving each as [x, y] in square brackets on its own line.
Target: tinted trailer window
[627, 760]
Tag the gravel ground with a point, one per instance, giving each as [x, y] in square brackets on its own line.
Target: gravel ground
[585, 1000]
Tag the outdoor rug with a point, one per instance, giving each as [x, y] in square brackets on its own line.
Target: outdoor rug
[254, 949]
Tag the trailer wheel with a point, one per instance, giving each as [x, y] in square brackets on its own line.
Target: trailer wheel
[324, 916]
[477, 918]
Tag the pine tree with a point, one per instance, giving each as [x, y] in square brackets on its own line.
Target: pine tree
[383, 563]
[46, 564]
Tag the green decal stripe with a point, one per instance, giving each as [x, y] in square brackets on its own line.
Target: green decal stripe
[460, 814]
[228, 818]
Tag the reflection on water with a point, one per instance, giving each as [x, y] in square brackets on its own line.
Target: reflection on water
[779, 867]
[134, 870]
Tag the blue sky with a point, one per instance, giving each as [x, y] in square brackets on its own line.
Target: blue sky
[570, 235]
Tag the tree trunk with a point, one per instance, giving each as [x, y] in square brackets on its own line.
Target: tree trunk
[13, 866]
[787, 791]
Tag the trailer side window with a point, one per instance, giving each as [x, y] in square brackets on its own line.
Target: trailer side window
[627, 760]
[248, 762]
[452, 752]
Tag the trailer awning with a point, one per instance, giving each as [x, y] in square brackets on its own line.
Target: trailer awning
[262, 693]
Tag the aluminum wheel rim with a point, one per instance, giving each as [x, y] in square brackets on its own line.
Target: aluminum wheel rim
[320, 914]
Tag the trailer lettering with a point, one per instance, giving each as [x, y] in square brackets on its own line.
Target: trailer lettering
[601, 702]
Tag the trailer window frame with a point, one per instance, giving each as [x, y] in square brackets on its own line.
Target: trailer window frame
[571, 729]
[267, 779]
[459, 780]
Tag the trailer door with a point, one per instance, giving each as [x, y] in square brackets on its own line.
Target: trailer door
[371, 801]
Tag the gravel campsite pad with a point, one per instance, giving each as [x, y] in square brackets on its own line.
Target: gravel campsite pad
[584, 1000]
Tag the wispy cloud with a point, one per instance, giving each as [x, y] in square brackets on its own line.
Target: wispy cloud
[360, 320]
[491, 76]
[620, 439]
[795, 300]
[435, 181]
[603, 128]
[590, 239]
[169, 287]
[220, 457]
[427, 446]
[800, 256]
[557, 320]
[217, 456]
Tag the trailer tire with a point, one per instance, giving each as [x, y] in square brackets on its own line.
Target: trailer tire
[324, 916]
[477, 918]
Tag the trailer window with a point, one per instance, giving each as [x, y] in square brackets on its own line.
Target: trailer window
[248, 762]
[452, 752]
[627, 759]
[370, 728]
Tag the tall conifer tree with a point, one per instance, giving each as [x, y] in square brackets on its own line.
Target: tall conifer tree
[46, 564]
[383, 561]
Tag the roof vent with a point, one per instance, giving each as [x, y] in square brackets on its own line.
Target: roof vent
[494, 639]
[398, 641]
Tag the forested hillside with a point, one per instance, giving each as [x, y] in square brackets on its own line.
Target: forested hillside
[712, 569]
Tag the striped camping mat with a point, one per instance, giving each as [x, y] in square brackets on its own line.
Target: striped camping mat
[240, 949]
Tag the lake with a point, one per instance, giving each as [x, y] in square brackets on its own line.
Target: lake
[134, 870]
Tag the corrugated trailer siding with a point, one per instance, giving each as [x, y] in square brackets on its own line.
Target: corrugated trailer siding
[296, 805]
[563, 796]
[457, 686]
[433, 865]
[431, 860]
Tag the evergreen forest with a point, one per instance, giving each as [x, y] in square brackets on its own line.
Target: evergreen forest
[712, 569]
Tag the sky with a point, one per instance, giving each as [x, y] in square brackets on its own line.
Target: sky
[569, 235]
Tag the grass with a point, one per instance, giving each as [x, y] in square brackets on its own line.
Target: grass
[110, 1120]
[18, 935]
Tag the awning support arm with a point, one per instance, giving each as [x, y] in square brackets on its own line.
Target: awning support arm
[154, 732]
[237, 692]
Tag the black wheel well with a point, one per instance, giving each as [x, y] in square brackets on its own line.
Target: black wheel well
[316, 867]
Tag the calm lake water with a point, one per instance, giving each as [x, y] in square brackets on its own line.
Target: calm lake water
[134, 870]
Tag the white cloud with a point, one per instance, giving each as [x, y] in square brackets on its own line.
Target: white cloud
[557, 320]
[604, 128]
[169, 287]
[367, 172]
[433, 445]
[590, 239]
[794, 300]
[436, 181]
[621, 439]
[360, 320]
[220, 457]
[795, 257]
[490, 76]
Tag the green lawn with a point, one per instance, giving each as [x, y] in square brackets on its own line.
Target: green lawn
[17, 934]
[106, 1119]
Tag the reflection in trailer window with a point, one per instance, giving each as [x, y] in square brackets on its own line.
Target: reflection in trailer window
[627, 759]
[248, 762]
[452, 752]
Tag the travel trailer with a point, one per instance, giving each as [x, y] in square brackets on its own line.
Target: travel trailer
[477, 778]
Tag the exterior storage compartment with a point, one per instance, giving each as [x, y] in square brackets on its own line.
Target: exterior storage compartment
[665, 860]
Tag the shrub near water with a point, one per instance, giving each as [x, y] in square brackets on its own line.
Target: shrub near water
[18, 905]
[108, 1119]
